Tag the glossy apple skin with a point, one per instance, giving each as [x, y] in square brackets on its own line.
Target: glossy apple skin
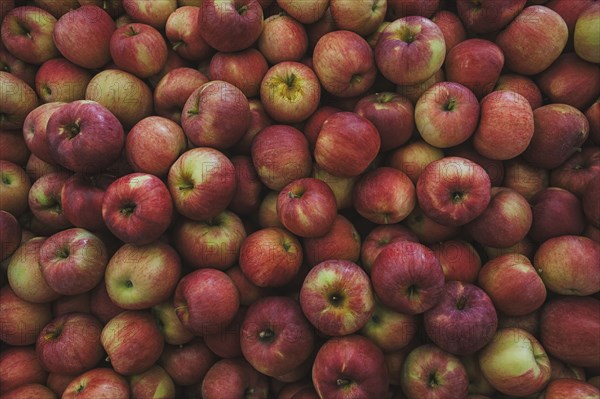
[591, 201]
[232, 378]
[570, 388]
[489, 15]
[550, 203]
[350, 366]
[493, 167]
[20, 366]
[44, 200]
[98, 383]
[22, 321]
[173, 89]
[155, 15]
[451, 26]
[249, 189]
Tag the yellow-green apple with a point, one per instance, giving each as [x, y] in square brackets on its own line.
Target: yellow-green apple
[249, 292]
[10, 234]
[81, 199]
[475, 63]
[524, 178]
[478, 385]
[25, 276]
[459, 259]
[407, 277]
[570, 12]
[137, 208]
[275, 336]
[18, 100]
[70, 344]
[464, 319]
[176, 359]
[270, 257]
[451, 26]
[20, 69]
[15, 148]
[170, 325]
[493, 117]
[344, 76]
[515, 363]
[216, 114]
[523, 85]
[206, 301]
[545, 28]
[27, 33]
[202, 183]
[290, 92]
[155, 15]
[585, 34]
[576, 173]
[60, 80]
[569, 329]
[229, 378]
[488, 16]
[173, 89]
[591, 201]
[426, 229]
[305, 13]
[336, 297]
[410, 50]
[380, 236]
[244, 69]
[341, 186]
[384, 195]
[212, 243]
[389, 330]
[432, 372]
[84, 136]
[44, 200]
[153, 144]
[447, 114]
[34, 130]
[403, 8]
[568, 265]
[347, 144]
[73, 260]
[362, 17]
[280, 154]
[20, 366]
[341, 242]
[453, 190]
[139, 49]
[98, 383]
[226, 343]
[556, 212]
[142, 276]
[244, 19]
[505, 222]
[183, 32]
[392, 115]
[412, 157]
[21, 320]
[31, 390]
[513, 284]
[258, 121]
[125, 95]
[248, 188]
[283, 38]
[132, 341]
[569, 388]
[350, 367]
[91, 22]
[152, 383]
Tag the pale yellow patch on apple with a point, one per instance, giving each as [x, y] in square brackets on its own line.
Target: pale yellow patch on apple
[139, 181]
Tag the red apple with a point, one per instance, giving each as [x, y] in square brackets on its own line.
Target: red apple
[173, 89]
[267, 211]
[305, 13]
[170, 325]
[379, 237]
[226, 343]
[389, 330]
[523, 85]
[570, 388]
[21, 320]
[58, 79]
[451, 26]
[98, 383]
[412, 157]
[183, 32]
[34, 130]
[341, 242]
[577, 172]
[113, 7]
[139, 49]
[342, 187]
[233, 378]
[32, 390]
[283, 38]
[403, 8]
[249, 188]
[244, 69]
[155, 15]
[489, 15]
[176, 360]
[18, 100]
[15, 147]
[81, 199]
[556, 212]
[524, 178]
[101, 305]
[249, 292]
[10, 234]
[17, 67]
[44, 201]
[20, 366]
[427, 230]
[590, 201]
[459, 259]
[154, 382]
[362, 17]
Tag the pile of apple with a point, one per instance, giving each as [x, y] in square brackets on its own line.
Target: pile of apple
[294, 199]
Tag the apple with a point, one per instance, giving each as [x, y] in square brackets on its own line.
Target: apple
[101, 305]
[342, 187]
[233, 378]
[183, 32]
[155, 15]
[128, 97]
[81, 199]
[305, 13]
[20, 366]
[213, 243]
[16, 148]
[347, 144]
[410, 50]
[18, 100]
[98, 383]
[362, 17]
[176, 360]
[34, 130]
[27, 33]
[70, 344]
[258, 121]
[249, 292]
[21, 320]
[202, 183]
[79, 303]
[113, 7]
[267, 211]
[529, 322]
[432, 372]
[92, 23]
[32, 390]
[562, 370]
[350, 366]
[389, 330]
[585, 38]
[488, 16]
[556, 212]
[170, 325]
[577, 172]
[407, 277]
[412, 157]
[590, 202]
[380, 236]
[139, 49]
[447, 114]
[341, 242]
[515, 363]
[344, 76]
[173, 89]
[57, 9]
[59, 80]
[275, 336]
[513, 284]
[25, 276]
[226, 343]
[459, 259]
[403, 8]
[10, 234]
[283, 38]
[545, 29]
[593, 113]
[524, 178]
[569, 329]
[44, 200]
[216, 114]
[244, 69]
[570, 388]
[523, 85]
[155, 382]
[206, 301]
[17, 67]
[249, 188]
[244, 19]
[290, 92]
[479, 387]
[453, 190]
[451, 26]
[426, 229]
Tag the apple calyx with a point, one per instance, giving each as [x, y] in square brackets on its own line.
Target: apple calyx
[266, 335]
[412, 291]
[53, 334]
[63, 253]
[71, 130]
[127, 209]
[80, 388]
[433, 380]
[336, 299]
[450, 104]
[343, 382]
[177, 44]
[356, 79]
[457, 196]
[406, 34]
[242, 10]
[462, 302]
[382, 98]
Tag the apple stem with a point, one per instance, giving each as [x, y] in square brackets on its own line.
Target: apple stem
[132, 32]
[266, 335]
[433, 381]
[462, 302]
[177, 44]
[450, 105]
[242, 10]
[342, 382]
